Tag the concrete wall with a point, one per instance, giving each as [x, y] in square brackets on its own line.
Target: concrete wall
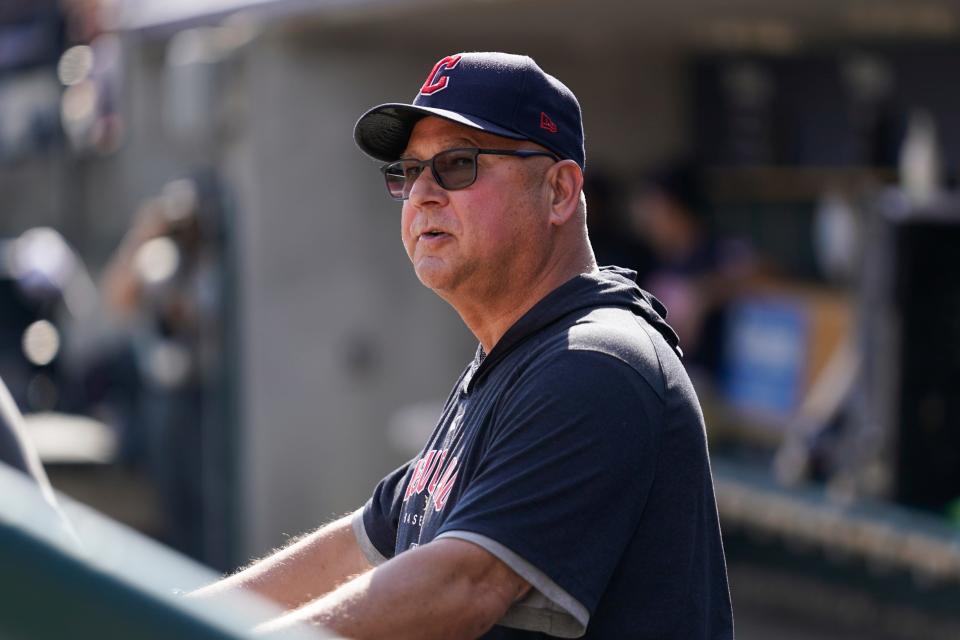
[336, 330]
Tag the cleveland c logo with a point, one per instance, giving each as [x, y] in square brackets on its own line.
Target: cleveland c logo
[433, 83]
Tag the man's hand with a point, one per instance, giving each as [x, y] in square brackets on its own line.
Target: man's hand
[445, 589]
[303, 571]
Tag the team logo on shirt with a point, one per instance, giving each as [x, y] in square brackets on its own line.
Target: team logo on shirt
[434, 474]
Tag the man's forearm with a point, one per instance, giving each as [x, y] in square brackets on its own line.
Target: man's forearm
[446, 589]
[303, 571]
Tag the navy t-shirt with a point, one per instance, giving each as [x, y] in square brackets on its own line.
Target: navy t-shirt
[576, 453]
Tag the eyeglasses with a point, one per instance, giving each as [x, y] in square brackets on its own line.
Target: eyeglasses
[452, 169]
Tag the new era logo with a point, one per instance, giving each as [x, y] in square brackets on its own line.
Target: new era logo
[547, 123]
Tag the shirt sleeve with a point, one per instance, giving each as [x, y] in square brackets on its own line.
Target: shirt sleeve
[562, 485]
[375, 525]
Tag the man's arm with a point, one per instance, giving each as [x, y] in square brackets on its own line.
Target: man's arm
[445, 589]
[311, 567]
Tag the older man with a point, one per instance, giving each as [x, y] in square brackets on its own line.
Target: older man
[566, 490]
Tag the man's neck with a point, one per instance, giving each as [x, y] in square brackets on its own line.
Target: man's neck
[490, 316]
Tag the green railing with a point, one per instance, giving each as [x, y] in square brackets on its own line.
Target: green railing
[67, 571]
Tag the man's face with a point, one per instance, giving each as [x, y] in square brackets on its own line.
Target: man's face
[478, 241]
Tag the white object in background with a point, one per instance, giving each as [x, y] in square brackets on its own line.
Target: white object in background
[836, 233]
[65, 438]
[920, 163]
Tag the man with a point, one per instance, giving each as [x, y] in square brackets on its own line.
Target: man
[566, 490]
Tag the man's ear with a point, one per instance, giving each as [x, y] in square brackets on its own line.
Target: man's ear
[566, 182]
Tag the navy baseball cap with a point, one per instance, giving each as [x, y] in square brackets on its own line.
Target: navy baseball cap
[500, 93]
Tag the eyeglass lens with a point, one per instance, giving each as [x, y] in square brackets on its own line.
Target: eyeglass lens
[452, 169]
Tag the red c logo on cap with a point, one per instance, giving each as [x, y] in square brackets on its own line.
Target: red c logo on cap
[433, 84]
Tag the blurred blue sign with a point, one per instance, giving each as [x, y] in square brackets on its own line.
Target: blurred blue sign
[765, 362]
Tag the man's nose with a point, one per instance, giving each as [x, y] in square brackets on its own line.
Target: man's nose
[426, 189]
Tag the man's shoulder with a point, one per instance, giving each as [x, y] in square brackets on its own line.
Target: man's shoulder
[618, 334]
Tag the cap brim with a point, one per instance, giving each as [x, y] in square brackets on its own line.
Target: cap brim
[383, 132]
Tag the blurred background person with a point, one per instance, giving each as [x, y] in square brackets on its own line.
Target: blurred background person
[694, 272]
[613, 239]
[161, 283]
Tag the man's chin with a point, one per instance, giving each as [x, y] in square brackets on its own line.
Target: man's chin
[436, 277]
[433, 280]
